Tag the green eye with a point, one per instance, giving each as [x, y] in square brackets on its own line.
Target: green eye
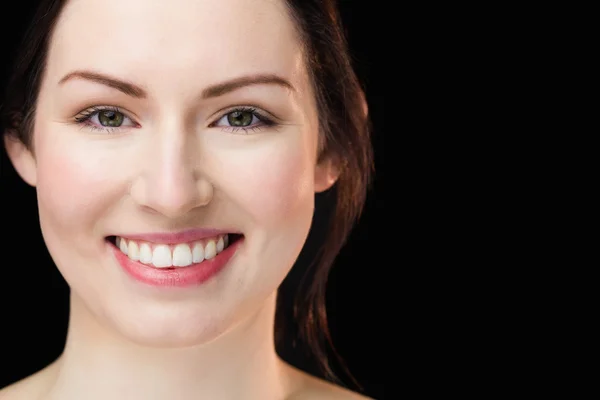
[110, 118]
[240, 118]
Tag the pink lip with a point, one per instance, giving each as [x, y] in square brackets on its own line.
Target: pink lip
[175, 237]
[194, 274]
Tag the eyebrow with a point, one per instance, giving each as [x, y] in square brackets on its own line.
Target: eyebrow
[128, 88]
[217, 90]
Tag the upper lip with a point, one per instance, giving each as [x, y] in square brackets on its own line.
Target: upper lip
[189, 235]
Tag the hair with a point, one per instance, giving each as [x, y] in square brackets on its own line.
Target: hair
[344, 136]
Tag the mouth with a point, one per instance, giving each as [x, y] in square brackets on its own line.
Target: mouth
[174, 264]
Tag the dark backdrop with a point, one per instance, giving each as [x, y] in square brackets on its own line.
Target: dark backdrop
[34, 297]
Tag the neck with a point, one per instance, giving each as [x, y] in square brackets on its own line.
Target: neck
[240, 364]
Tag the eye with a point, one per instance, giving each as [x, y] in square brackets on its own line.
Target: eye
[241, 118]
[104, 118]
[110, 118]
[244, 118]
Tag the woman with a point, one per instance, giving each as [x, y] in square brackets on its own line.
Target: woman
[176, 149]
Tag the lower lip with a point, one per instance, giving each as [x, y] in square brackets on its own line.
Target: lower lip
[192, 275]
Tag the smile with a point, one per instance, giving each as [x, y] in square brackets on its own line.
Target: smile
[174, 264]
[180, 255]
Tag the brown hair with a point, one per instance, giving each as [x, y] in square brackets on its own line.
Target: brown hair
[344, 136]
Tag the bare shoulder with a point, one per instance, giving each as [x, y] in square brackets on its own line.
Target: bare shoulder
[327, 391]
[20, 390]
[29, 388]
[313, 388]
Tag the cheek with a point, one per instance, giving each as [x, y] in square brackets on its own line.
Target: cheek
[277, 186]
[274, 189]
[71, 184]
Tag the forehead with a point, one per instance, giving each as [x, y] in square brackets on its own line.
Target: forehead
[211, 39]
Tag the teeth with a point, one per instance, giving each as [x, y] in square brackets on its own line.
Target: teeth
[133, 251]
[123, 246]
[211, 250]
[180, 255]
[198, 253]
[145, 253]
[161, 256]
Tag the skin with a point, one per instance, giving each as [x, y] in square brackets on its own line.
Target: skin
[172, 165]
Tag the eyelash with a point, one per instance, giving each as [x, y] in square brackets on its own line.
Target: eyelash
[84, 118]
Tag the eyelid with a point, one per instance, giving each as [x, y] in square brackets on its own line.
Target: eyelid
[93, 110]
[88, 112]
[265, 120]
[83, 118]
[247, 107]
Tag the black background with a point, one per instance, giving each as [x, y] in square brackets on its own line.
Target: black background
[34, 296]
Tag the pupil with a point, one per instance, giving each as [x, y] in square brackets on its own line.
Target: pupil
[240, 118]
[110, 118]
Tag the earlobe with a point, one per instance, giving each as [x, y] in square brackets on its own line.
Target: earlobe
[326, 174]
[21, 158]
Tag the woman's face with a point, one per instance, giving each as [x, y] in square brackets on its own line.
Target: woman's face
[169, 153]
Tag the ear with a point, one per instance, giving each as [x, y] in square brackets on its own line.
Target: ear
[22, 159]
[327, 173]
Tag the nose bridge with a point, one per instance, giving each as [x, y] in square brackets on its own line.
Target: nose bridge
[171, 183]
[171, 170]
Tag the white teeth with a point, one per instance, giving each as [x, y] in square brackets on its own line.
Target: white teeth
[211, 250]
[161, 256]
[182, 255]
[145, 253]
[123, 246]
[133, 251]
[198, 253]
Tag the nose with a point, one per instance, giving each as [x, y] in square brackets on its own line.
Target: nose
[171, 182]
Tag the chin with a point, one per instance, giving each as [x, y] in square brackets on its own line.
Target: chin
[171, 331]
